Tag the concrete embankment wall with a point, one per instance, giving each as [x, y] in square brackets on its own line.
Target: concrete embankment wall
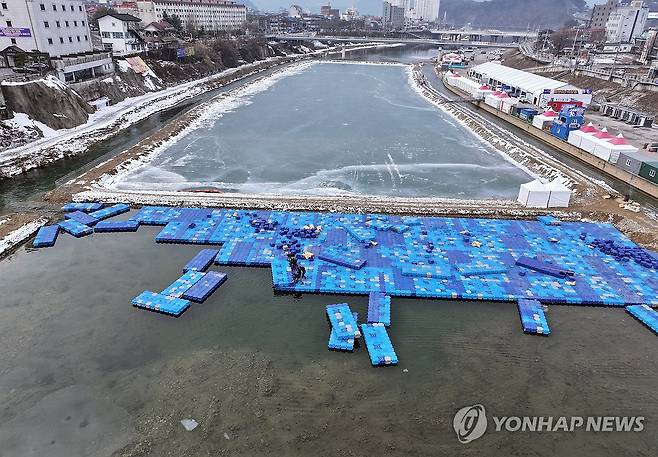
[636, 182]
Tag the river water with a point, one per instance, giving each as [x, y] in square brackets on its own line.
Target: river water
[329, 128]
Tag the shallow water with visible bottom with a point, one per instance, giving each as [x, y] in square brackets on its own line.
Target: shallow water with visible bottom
[83, 373]
[330, 128]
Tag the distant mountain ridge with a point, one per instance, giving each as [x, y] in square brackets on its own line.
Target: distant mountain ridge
[511, 13]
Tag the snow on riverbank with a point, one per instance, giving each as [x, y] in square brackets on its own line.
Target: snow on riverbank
[20, 234]
[209, 112]
[108, 121]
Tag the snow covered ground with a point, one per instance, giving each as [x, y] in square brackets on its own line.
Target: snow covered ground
[109, 120]
[20, 234]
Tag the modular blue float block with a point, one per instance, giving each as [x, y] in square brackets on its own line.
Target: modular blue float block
[75, 228]
[342, 321]
[116, 226]
[379, 308]
[182, 284]
[46, 236]
[84, 207]
[81, 217]
[205, 286]
[202, 260]
[379, 344]
[342, 259]
[549, 220]
[645, 314]
[110, 211]
[337, 344]
[532, 317]
[160, 303]
[543, 267]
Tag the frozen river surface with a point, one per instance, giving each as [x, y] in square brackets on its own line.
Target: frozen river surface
[330, 128]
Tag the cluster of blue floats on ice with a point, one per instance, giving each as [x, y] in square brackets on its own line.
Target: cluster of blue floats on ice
[545, 260]
[345, 329]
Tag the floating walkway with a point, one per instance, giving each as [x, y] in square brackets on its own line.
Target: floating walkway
[161, 303]
[182, 284]
[202, 260]
[548, 260]
[379, 308]
[342, 321]
[84, 207]
[337, 344]
[379, 345]
[645, 314]
[117, 226]
[46, 236]
[532, 317]
[81, 217]
[205, 286]
[75, 228]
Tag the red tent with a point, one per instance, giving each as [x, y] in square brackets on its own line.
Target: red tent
[589, 128]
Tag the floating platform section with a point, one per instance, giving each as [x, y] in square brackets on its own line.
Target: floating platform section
[543, 267]
[75, 228]
[182, 284]
[344, 259]
[426, 271]
[116, 226]
[110, 211]
[532, 317]
[46, 236]
[336, 344]
[81, 217]
[160, 303]
[379, 308]
[342, 321]
[156, 215]
[549, 220]
[379, 345]
[84, 207]
[202, 260]
[205, 286]
[645, 314]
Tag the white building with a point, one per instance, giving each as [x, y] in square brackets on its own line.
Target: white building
[213, 15]
[626, 22]
[427, 10]
[118, 33]
[57, 27]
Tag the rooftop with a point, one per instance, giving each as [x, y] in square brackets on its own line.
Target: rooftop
[528, 82]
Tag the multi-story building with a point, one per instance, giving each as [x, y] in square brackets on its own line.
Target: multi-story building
[214, 15]
[601, 14]
[55, 27]
[328, 12]
[626, 22]
[427, 10]
[392, 16]
[118, 33]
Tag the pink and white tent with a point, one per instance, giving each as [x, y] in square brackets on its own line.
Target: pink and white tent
[609, 149]
[588, 143]
[576, 136]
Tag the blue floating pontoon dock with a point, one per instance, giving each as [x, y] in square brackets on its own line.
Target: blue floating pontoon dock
[75, 228]
[645, 314]
[205, 286]
[110, 211]
[84, 207]
[81, 217]
[160, 303]
[117, 226]
[342, 321]
[202, 260]
[379, 308]
[379, 345]
[543, 267]
[46, 236]
[337, 344]
[532, 317]
[182, 284]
